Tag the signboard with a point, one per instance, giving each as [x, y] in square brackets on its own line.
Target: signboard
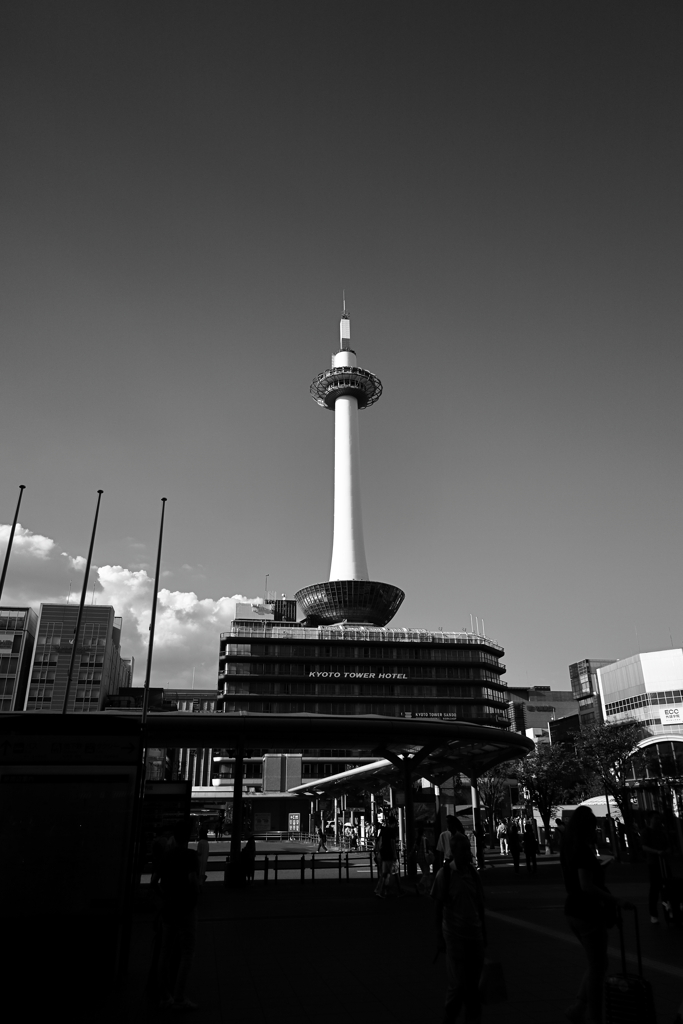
[294, 822]
[671, 715]
[262, 821]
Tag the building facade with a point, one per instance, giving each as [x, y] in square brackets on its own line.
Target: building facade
[99, 670]
[346, 670]
[648, 688]
[583, 678]
[17, 639]
[534, 707]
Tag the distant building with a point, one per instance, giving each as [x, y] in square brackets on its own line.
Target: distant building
[532, 707]
[99, 669]
[565, 730]
[647, 688]
[181, 763]
[17, 638]
[583, 676]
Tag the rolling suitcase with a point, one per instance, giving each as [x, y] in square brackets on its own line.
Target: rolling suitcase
[672, 895]
[628, 997]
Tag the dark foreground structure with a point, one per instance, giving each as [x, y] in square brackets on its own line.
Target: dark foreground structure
[72, 809]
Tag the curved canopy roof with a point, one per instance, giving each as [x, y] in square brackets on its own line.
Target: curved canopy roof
[434, 749]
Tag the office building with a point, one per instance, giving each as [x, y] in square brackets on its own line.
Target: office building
[98, 670]
[17, 638]
[648, 689]
[583, 677]
[533, 707]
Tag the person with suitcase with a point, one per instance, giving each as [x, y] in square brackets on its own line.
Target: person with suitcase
[628, 997]
[589, 908]
[655, 846]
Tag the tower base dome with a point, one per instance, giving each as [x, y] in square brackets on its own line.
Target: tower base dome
[350, 601]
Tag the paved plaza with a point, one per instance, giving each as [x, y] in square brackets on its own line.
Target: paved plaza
[332, 951]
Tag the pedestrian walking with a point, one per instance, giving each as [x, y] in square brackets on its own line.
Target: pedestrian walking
[248, 859]
[514, 844]
[461, 931]
[530, 846]
[203, 853]
[422, 853]
[590, 909]
[502, 836]
[179, 886]
[322, 839]
[453, 827]
[656, 846]
[388, 854]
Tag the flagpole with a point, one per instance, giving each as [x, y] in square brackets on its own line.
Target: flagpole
[22, 488]
[84, 594]
[150, 649]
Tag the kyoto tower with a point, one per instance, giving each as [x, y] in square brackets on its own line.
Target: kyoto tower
[350, 595]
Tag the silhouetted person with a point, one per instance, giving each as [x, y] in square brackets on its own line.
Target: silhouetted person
[179, 886]
[203, 853]
[162, 843]
[461, 930]
[655, 845]
[248, 859]
[322, 840]
[529, 841]
[388, 836]
[453, 827]
[514, 844]
[589, 909]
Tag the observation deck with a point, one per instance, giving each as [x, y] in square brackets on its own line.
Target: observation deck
[332, 384]
[358, 601]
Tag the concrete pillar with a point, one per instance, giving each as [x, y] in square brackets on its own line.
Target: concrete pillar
[237, 809]
[336, 819]
[409, 812]
[476, 822]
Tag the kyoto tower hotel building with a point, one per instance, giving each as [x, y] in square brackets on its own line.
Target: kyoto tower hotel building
[342, 656]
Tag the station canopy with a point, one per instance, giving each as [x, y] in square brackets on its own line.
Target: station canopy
[435, 750]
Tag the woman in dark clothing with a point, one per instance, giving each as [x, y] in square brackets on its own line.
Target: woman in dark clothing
[513, 844]
[248, 859]
[589, 909]
[529, 840]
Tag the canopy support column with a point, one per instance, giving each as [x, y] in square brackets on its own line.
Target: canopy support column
[237, 815]
[476, 822]
[411, 862]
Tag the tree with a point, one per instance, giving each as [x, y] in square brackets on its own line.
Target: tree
[492, 786]
[607, 752]
[547, 774]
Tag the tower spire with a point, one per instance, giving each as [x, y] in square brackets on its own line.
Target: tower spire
[344, 327]
[349, 595]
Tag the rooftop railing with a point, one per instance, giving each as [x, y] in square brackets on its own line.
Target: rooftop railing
[341, 632]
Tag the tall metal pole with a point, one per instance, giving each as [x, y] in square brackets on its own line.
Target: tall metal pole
[80, 607]
[150, 649]
[22, 488]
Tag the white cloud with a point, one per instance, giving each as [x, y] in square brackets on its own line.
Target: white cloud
[78, 563]
[188, 627]
[26, 542]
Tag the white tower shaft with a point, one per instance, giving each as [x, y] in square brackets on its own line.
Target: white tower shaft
[348, 547]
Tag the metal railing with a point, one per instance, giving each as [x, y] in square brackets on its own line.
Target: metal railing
[271, 865]
[341, 632]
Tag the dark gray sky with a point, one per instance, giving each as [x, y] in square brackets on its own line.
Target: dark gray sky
[186, 189]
